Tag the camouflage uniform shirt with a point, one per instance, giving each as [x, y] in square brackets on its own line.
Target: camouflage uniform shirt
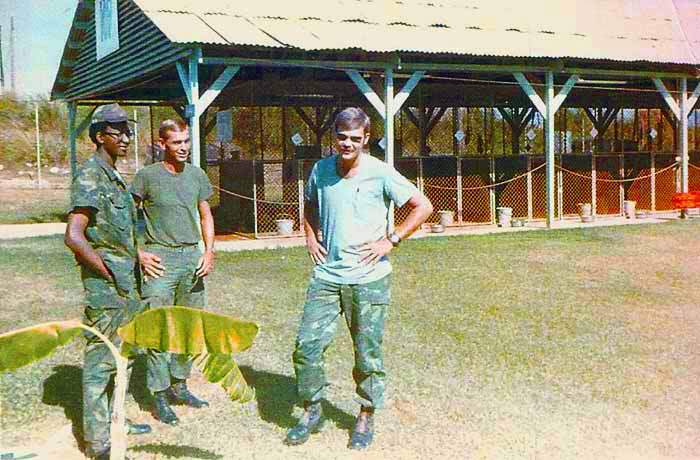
[111, 230]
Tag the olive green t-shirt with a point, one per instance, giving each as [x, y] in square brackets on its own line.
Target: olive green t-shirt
[171, 203]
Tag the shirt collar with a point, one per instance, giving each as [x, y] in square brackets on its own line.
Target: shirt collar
[113, 174]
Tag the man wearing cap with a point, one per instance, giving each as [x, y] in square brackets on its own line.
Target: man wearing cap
[173, 195]
[101, 234]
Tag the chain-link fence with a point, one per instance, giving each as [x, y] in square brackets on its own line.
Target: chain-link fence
[476, 193]
[263, 197]
[667, 181]
[467, 161]
[577, 185]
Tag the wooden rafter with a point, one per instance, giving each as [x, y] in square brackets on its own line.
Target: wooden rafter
[517, 118]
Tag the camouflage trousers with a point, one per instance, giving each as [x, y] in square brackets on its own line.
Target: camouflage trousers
[364, 307]
[177, 286]
[108, 308]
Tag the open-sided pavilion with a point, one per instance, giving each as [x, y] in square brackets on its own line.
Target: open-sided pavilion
[405, 59]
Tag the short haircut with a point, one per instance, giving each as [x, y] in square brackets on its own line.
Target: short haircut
[171, 125]
[352, 118]
[96, 128]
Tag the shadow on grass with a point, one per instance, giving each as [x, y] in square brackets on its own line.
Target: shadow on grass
[176, 451]
[276, 397]
[64, 388]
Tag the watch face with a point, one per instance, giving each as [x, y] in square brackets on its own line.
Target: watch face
[394, 238]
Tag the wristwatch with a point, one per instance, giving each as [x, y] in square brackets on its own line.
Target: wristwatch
[394, 239]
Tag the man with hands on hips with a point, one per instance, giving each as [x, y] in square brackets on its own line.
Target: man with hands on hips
[347, 201]
[173, 195]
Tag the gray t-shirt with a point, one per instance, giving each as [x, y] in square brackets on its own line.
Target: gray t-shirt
[171, 203]
[353, 212]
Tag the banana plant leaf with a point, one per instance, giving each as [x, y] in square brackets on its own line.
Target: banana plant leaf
[30, 344]
[210, 336]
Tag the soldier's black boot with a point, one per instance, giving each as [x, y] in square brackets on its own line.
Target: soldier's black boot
[311, 422]
[163, 411]
[363, 433]
[179, 393]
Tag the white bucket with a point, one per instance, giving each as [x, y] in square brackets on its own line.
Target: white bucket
[284, 226]
[628, 207]
[585, 212]
[503, 216]
[447, 218]
[585, 209]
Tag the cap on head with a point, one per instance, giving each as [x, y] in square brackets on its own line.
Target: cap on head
[110, 113]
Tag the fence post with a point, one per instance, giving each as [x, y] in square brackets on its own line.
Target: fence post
[594, 186]
[38, 146]
[492, 190]
[652, 180]
[300, 188]
[560, 189]
[459, 190]
[255, 202]
[420, 176]
[530, 212]
[622, 185]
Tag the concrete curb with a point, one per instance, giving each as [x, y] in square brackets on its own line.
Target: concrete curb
[14, 231]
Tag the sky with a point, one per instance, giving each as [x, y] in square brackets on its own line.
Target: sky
[41, 30]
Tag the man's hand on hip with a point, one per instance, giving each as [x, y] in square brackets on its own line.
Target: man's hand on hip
[316, 251]
[373, 252]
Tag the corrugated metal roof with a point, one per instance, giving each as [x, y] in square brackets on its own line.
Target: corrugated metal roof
[660, 31]
[143, 49]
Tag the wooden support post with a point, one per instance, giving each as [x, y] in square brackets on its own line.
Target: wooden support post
[594, 185]
[681, 110]
[683, 132]
[530, 207]
[195, 104]
[560, 191]
[153, 136]
[622, 184]
[72, 109]
[455, 128]
[492, 190]
[547, 109]
[284, 132]
[421, 185]
[653, 181]
[74, 132]
[189, 78]
[389, 130]
[549, 146]
[261, 134]
[255, 202]
[459, 190]
[300, 191]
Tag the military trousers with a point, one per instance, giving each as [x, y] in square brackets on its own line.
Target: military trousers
[364, 307]
[109, 306]
[177, 286]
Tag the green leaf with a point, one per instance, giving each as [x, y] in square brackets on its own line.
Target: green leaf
[30, 344]
[211, 336]
[222, 369]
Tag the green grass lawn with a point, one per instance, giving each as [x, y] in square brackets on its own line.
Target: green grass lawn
[545, 345]
[32, 206]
